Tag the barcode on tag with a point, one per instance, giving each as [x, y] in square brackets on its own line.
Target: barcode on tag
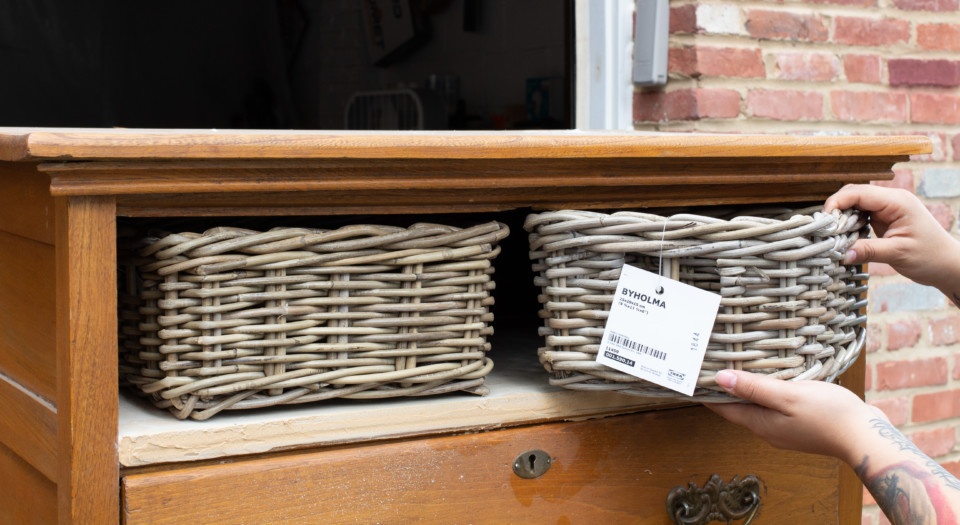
[653, 329]
[628, 344]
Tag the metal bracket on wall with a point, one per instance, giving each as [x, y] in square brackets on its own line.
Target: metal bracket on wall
[650, 42]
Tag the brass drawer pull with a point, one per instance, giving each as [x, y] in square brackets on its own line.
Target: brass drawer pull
[737, 500]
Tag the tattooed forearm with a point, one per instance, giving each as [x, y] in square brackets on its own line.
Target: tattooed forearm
[888, 431]
[913, 490]
[902, 494]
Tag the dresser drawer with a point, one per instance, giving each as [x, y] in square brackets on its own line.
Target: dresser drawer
[616, 470]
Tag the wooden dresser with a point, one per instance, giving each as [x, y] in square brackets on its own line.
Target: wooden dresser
[75, 450]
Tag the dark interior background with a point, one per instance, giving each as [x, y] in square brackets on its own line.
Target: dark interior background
[267, 64]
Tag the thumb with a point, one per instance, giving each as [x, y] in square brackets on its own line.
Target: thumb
[869, 250]
[759, 389]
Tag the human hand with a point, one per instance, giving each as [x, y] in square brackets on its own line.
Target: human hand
[807, 416]
[823, 418]
[909, 238]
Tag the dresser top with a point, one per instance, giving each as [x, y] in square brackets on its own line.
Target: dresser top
[61, 144]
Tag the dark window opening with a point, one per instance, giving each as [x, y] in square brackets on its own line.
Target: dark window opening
[288, 64]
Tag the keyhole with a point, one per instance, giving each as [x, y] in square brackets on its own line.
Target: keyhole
[531, 464]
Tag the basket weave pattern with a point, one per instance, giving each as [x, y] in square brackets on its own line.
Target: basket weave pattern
[789, 308]
[238, 319]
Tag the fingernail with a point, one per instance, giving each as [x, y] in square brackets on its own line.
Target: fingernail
[849, 257]
[726, 379]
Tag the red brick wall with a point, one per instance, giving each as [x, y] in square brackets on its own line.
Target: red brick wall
[844, 67]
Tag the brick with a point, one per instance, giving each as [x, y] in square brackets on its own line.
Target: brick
[952, 467]
[818, 67]
[942, 213]
[683, 19]
[649, 106]
[939, 37]
[868, 500]
[926, 5]
[863, 3]
[934, 108]
[719, 19]
[686, 104]
[856, 31]
[683, 60]
[861, 106]
[899, 297]
[935, 442]
[894, 375]
[660, 106]
[944, 331]
[697, 61]
[955, 143]
[730, 62]
[903, 334]
[936, 406]
[874, 338]
[868, 379]
[897, 409]
[864, 69]
[940, 183]
[903, 179]
[785, 105]
[718, 103]
[782, 25]
[956, 367]
[914, 72]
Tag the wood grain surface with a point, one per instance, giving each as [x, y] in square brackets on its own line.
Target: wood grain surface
[615, 470]
[78, 144]
[851, 488]
[26, 207]
[29, 428]
[156, 177]
[432, 201]
[27, 305]
[86, 332]
[27, 496]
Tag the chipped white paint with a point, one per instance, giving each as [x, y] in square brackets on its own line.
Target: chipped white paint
[519, 394]
[720, 19]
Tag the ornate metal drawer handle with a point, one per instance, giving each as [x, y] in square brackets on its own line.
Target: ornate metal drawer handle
[737, 500]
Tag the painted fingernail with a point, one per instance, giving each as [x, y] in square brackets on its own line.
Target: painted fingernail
[726, 379]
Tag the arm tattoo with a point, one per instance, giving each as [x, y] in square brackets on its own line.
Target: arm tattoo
[908, 492]
[903, 496]
[888, 431]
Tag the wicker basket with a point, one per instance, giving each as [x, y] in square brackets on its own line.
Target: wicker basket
[235, 319]
[789, 308]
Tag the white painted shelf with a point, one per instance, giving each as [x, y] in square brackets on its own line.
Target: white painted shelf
[519, 394]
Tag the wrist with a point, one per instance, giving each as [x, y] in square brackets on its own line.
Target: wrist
[862, 434]
[949, 284]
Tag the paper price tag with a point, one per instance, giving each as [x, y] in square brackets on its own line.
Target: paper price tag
[659, 337]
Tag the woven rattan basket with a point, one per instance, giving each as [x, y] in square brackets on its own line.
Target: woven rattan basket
[236, 319]
[789, 308]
